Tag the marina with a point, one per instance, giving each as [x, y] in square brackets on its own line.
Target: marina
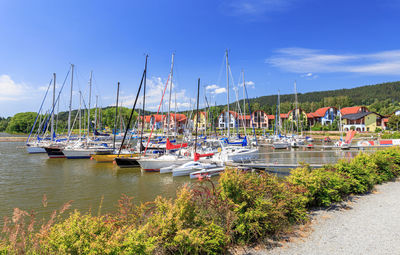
[25, 178]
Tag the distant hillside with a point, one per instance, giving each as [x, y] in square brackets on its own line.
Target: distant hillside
[364, 95]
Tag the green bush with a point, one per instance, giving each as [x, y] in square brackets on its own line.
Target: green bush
[79, 234]
[264, 205]
[322, 186]
[387, 164]
[361, 171]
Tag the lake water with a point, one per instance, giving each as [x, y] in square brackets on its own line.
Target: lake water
[24, 178]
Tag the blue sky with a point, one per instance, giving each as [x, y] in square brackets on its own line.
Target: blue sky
[321, 44]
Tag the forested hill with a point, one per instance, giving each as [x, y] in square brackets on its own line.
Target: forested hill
[364, 95]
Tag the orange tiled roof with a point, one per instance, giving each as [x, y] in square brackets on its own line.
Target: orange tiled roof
[235, 114]
[310, 115]
[350, 110]
[321, 112]
[159, 117]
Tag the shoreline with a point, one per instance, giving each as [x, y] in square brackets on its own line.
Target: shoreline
[13, 139]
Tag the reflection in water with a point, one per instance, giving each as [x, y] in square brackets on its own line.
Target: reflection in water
[25, 178]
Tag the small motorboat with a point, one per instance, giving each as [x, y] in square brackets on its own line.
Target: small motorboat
[206, 173]
[190, 167]
[167, 169]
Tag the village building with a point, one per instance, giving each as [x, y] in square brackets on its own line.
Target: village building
[177, 119]
[202, 120]
[223, 119]
[325, 116]
[362, 121]
[260, 119]
[244, 120]
[352, 110]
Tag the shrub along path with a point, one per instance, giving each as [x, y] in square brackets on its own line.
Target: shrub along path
[371, 226]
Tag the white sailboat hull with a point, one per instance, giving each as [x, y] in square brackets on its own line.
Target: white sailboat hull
[205, 173]
[190, 167]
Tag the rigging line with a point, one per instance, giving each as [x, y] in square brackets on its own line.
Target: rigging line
[133, 110]
[58, 97]
[40, 109]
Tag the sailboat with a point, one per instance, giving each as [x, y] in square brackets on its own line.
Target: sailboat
[154, 163]
[279, 142]
[54, 149]
[127, 162]
[103, 156]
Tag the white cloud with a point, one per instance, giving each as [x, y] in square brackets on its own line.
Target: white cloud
[250, 84]
[309, 61]
[309, 76]
[215, 89]
[154, 90]
[220, 91]
[211, 87]
[12, 91]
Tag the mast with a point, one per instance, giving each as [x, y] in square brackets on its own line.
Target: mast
[133, 110]
[227, 93]
[116, 114]
[144, 102]
[170, 90]
[162, 115]
[279, 110]
[197, 116]
[296, 105]
[175, 115]
[70, 101]
[95, 114]
[80, 114]
[90, 95]
[52, 113]
[244, 104]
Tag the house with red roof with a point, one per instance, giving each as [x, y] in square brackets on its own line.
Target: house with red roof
[324, 115]
[244, 120]
[260, 119]
[353, 110]
[225, 117]
[177, 121]
[149, 120]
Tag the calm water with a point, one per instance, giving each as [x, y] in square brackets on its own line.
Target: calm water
[24, 178]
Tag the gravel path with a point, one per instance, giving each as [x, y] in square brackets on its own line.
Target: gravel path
[370, 226]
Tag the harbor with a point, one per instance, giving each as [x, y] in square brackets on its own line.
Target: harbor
[25, 178]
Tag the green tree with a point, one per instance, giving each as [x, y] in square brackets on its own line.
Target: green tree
[21, 122]
[394, 122]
